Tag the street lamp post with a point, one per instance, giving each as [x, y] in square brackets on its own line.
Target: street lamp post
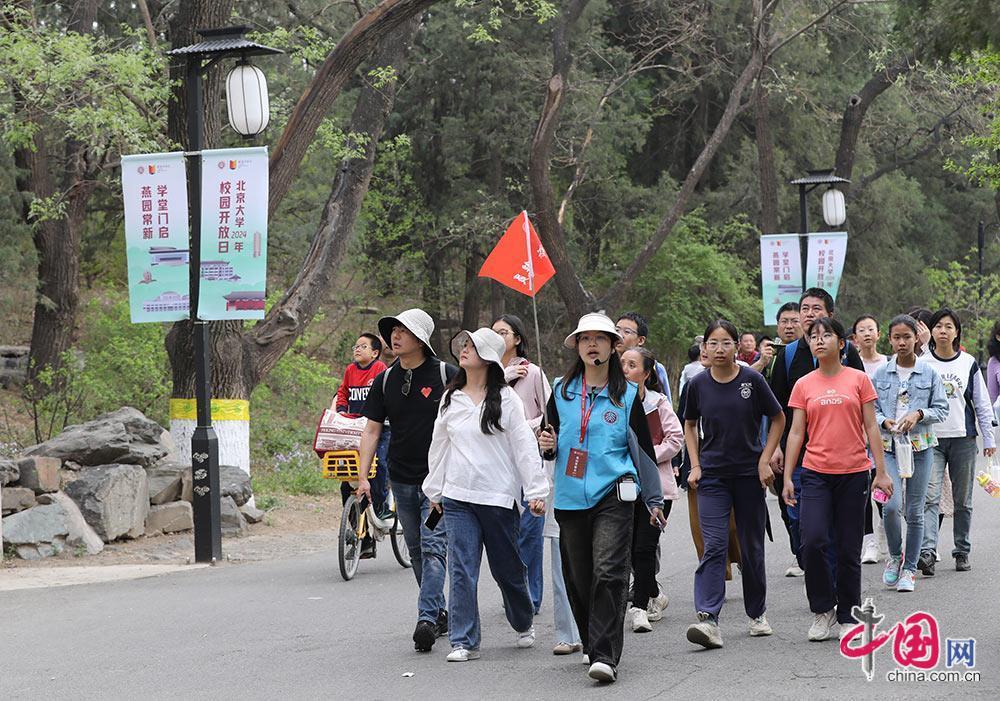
[834, 209]
[218, 44]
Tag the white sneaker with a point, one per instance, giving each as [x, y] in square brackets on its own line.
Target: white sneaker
[795, 571]
[705, 632]
[883, 544]
[586, 658]
[599, 671]
[937, 558]
[657, 606]
[564, 648]
[869, 550]
[759, 626]
[824, 626]
[527, 638]
[460, 654]
[640, 620]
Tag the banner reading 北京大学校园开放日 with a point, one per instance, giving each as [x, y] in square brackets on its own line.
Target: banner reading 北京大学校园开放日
[233, 233]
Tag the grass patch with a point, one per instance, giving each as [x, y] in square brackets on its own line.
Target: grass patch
[295, 473]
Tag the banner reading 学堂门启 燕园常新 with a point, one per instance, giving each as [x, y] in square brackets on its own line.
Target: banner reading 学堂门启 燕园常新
[154, 192]
[233, 233]
[780, 273]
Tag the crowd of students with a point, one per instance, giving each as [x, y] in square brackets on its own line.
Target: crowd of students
[594, 462]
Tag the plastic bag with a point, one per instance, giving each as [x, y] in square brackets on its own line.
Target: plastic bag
[993, 467]
[904, 455]
[338, 432]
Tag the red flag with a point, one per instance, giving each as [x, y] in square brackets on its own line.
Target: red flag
[511, 264]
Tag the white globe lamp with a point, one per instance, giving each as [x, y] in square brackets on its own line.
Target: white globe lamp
[247, 101]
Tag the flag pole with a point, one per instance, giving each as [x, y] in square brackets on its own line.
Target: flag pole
[534, 309]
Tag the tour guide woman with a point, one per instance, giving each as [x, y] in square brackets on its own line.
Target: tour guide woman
[600, 442]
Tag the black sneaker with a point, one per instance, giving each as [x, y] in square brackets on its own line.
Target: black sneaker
[424, 636]
[962, 563]
[441, 627]
[926, 564]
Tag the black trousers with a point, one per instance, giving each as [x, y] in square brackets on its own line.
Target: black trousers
[595, 545]
[645, 555]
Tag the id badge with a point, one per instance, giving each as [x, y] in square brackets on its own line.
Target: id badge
[576, 463]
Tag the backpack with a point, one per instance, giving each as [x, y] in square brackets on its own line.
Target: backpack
[441, 364]
[791, 349]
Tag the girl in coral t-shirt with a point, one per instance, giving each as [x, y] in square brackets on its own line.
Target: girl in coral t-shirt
[835, 405]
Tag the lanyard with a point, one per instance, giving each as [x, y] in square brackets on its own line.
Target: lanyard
[584, 411]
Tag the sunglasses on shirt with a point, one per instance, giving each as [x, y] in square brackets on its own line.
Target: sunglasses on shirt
[407, 379]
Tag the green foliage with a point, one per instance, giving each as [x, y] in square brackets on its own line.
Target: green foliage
[286, 408]
[692, 281]
[296, 472]
[103, 91]
[983, 166]
[976, 299]
[117, 363]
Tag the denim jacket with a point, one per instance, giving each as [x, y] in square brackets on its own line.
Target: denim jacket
[926, 393]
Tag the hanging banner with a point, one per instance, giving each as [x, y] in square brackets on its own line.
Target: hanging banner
[825, 260]
[154, 191]
[780, 273]
[233, 233]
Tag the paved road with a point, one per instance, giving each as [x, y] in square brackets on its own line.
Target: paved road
[291, 628]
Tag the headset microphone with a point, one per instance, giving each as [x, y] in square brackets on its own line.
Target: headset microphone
[597, 361]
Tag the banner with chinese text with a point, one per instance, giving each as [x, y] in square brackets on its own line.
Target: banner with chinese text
[825, 260]
[780, 273]
[233, 233]
[154, 191]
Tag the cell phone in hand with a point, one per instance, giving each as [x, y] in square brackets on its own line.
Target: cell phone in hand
[363, 502]
[432, 519]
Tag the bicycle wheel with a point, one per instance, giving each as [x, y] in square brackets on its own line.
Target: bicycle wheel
[399, 548]
[350, 545]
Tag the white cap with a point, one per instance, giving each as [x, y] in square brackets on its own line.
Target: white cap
[593, 322]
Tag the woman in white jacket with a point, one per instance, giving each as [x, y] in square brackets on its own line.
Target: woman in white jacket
[483, 455]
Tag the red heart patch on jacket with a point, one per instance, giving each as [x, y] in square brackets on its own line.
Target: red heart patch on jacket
[426, 391]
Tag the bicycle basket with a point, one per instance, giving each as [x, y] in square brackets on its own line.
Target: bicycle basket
[343, 465]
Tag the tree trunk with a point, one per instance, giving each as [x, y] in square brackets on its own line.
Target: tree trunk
[191, 16]
[473, 287]
[857, 107]
[767, 172]
[286, 321]
[314, 105]
[57, 241]
[577, 300]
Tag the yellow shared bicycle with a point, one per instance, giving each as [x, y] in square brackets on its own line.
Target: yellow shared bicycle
[359, 520]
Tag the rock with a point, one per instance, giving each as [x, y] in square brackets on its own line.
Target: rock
[81, 535]
[235, 483]
[9, 472]
[40, 474]
[122, 437]
[163, 486]
[169, 518]
[252, 513]
[67, 476]
[234, 524]
[114, 499]
[38, 532]
[183, 472]
[16, 499]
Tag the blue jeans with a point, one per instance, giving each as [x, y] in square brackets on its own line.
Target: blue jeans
[562, 614]
[380, 485]
[473, 526]
[427, 548]
[959, 454]
[529, 544]
[916, 491]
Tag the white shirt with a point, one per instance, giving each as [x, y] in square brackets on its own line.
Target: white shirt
[466, 464]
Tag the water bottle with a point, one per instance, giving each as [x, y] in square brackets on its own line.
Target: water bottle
[991, 486]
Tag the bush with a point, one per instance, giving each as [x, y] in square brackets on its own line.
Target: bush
[296, 472]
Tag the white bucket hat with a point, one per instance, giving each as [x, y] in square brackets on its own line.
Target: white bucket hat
[417, 321]
[594, 322]
[489, 344]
